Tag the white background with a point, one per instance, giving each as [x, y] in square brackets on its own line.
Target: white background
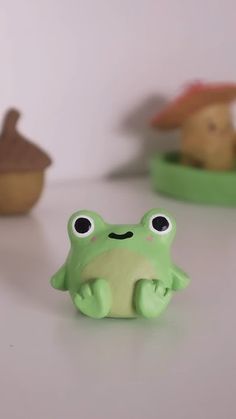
[88, 74]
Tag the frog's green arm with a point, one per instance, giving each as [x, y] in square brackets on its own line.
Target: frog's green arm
[58, 280]
[180, 279]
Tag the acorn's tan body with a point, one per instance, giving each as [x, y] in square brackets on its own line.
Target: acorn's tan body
[19, 191]
[22, 167]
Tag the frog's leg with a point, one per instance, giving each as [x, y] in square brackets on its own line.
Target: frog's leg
[180, 279]
[94, 298]
[151, 297]
[58, 280]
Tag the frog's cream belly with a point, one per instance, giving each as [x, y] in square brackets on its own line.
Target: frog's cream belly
[121, 268]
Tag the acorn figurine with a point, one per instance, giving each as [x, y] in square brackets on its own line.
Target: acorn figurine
[202, 112]
[22, 167]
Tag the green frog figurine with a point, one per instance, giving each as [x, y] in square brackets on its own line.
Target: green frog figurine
[120, 270]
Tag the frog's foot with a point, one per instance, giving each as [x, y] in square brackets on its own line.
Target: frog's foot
[94, 298]
[151, 297]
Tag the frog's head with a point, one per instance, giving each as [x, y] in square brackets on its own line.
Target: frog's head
[155, 232]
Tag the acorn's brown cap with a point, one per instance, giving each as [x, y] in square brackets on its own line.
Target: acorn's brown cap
[194, 97]
[18, 154]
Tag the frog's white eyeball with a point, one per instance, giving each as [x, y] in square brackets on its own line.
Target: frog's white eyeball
[160, 224]
[83, 226]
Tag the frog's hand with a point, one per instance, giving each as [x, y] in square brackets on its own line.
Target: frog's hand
[58, 280]
[180, 279]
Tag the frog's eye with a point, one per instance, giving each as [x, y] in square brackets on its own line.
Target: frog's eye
[83, 226]
[160, 224]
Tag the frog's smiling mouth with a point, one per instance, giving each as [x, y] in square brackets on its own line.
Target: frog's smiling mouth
[124, 236]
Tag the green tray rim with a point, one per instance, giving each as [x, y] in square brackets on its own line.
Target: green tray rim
[186, 183]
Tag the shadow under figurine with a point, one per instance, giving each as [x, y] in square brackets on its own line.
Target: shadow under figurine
[22, 167]
[120, 270]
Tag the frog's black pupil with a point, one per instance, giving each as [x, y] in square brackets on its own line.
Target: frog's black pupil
[160, 223]
[82, 225]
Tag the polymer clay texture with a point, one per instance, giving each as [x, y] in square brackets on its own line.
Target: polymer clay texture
[22, 168]
[120, 270]
[203, 114]
[186, 183]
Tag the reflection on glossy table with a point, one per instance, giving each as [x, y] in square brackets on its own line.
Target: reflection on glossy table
[57, 364]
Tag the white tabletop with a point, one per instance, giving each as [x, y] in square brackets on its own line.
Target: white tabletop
[57, 364]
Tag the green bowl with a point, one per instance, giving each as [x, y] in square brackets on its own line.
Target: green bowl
[191, 184]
